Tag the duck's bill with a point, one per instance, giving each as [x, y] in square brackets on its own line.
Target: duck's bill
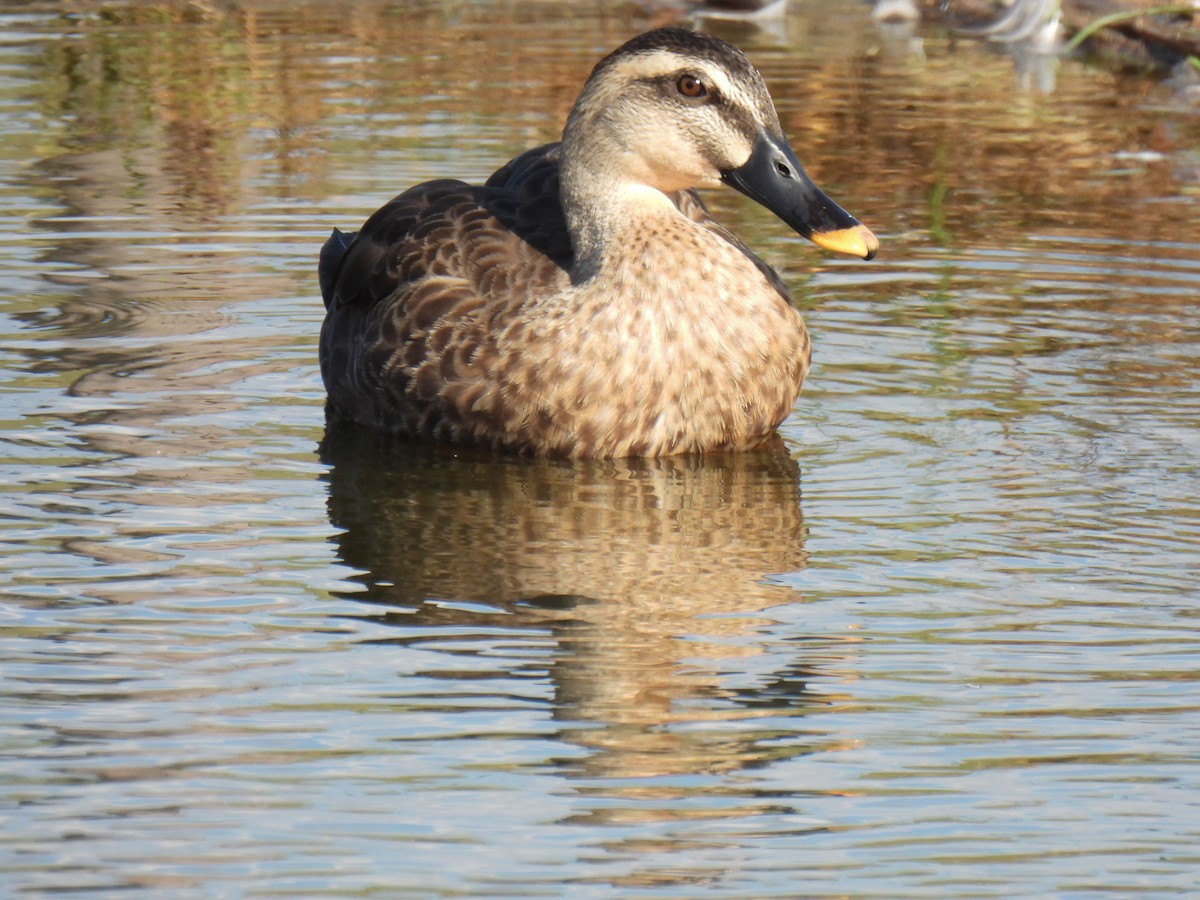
[774, 177]
[857, 240]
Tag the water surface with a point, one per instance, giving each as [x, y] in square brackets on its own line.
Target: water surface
[940, 640]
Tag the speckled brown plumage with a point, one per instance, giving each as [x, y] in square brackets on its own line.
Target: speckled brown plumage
[582, 302]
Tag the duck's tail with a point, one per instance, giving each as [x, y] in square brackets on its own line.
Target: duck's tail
[331, 262]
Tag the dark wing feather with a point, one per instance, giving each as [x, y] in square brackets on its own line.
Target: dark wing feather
[354, 267]
[415, 297]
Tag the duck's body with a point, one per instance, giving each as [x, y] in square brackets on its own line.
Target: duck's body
[583, 303]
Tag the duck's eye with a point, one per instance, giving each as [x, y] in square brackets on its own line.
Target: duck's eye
[691, 87]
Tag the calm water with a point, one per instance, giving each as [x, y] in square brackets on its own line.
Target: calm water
[942, 640]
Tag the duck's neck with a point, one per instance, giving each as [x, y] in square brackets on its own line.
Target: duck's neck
[602, 200]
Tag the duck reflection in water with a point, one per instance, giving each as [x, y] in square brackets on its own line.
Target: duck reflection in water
[644, 579]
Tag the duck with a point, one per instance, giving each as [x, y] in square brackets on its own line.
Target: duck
[582, 302]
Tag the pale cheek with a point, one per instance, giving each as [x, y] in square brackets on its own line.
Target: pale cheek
[692, 173]
[675, 165]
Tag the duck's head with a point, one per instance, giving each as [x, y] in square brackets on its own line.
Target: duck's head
[674, 109]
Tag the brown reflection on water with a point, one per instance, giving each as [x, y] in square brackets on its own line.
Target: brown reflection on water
[228, 99]
[646, 575]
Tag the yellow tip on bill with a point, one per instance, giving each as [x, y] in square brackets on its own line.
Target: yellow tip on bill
[856, 241]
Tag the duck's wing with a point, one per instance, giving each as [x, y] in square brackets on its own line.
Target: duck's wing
[416, 297]
[448, 227]
[353, 268]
